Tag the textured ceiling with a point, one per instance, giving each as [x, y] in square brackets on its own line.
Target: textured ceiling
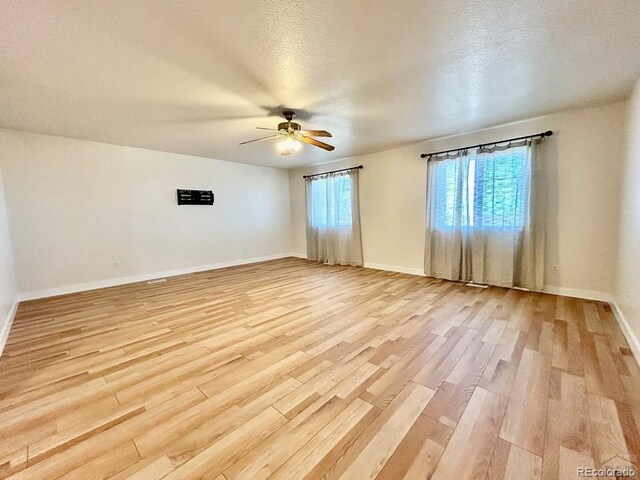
[197, 77]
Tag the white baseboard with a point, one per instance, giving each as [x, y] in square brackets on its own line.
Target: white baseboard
[114, 282]
[395, 268]
[632, 339]
[4, 332]
[579, 293]
[378, 266]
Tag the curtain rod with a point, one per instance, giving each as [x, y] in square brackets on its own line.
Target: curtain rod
[548, 133]
[333, 171]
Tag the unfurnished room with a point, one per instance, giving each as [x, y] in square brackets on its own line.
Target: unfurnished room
[262, 239]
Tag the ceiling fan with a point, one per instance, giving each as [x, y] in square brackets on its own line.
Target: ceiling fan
[292, 136]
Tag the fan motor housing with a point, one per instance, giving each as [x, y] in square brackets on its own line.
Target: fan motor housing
[289, 126]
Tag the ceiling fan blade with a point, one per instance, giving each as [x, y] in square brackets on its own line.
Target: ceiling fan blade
[265, 128]
[316, 133]
[259, 139]
[317, 143]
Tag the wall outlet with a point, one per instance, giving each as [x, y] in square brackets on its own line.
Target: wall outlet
[116, 264]
[554, 268]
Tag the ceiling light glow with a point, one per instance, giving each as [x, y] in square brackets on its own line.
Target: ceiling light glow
[289, 145]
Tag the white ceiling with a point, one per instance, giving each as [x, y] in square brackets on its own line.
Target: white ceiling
[197, 77]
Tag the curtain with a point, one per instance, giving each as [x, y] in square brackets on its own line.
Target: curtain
[485, 216]
[333, 218]
[447, 245]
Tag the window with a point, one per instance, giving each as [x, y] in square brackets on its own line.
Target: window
[450, 200]
[331, 201]
[486, 191]
[500, 190]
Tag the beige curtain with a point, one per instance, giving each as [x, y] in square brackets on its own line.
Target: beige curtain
[333, 218]
[485, 216]
[447, 240]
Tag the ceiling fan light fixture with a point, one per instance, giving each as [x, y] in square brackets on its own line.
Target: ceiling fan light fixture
[291, 136]
[289, 145]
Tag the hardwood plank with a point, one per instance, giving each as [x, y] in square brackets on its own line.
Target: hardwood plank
[499, 460]
[567, 351]
[219, 455]
[305, 460]
[13, 462]
[575, 432]
[385, 389]
[600, 373]
[522, 464]
[469, 451]
[107, 465]
[77, 455]
[501, 370]
[154, 471]
[524, 422]
[615, 438]
[419, 452]
[433, 373]
[192, 430]
[571, 461]
[368, 455]
[452, 397]
[266, 458]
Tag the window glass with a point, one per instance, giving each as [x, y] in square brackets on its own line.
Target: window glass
[488, 191]
[500, 190]
[331, 201]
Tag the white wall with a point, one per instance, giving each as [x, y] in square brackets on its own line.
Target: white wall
[76, 207]
[627, 291]
[583, 160]
[7, 279]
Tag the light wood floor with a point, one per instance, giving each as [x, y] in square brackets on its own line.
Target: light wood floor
[288, 369]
